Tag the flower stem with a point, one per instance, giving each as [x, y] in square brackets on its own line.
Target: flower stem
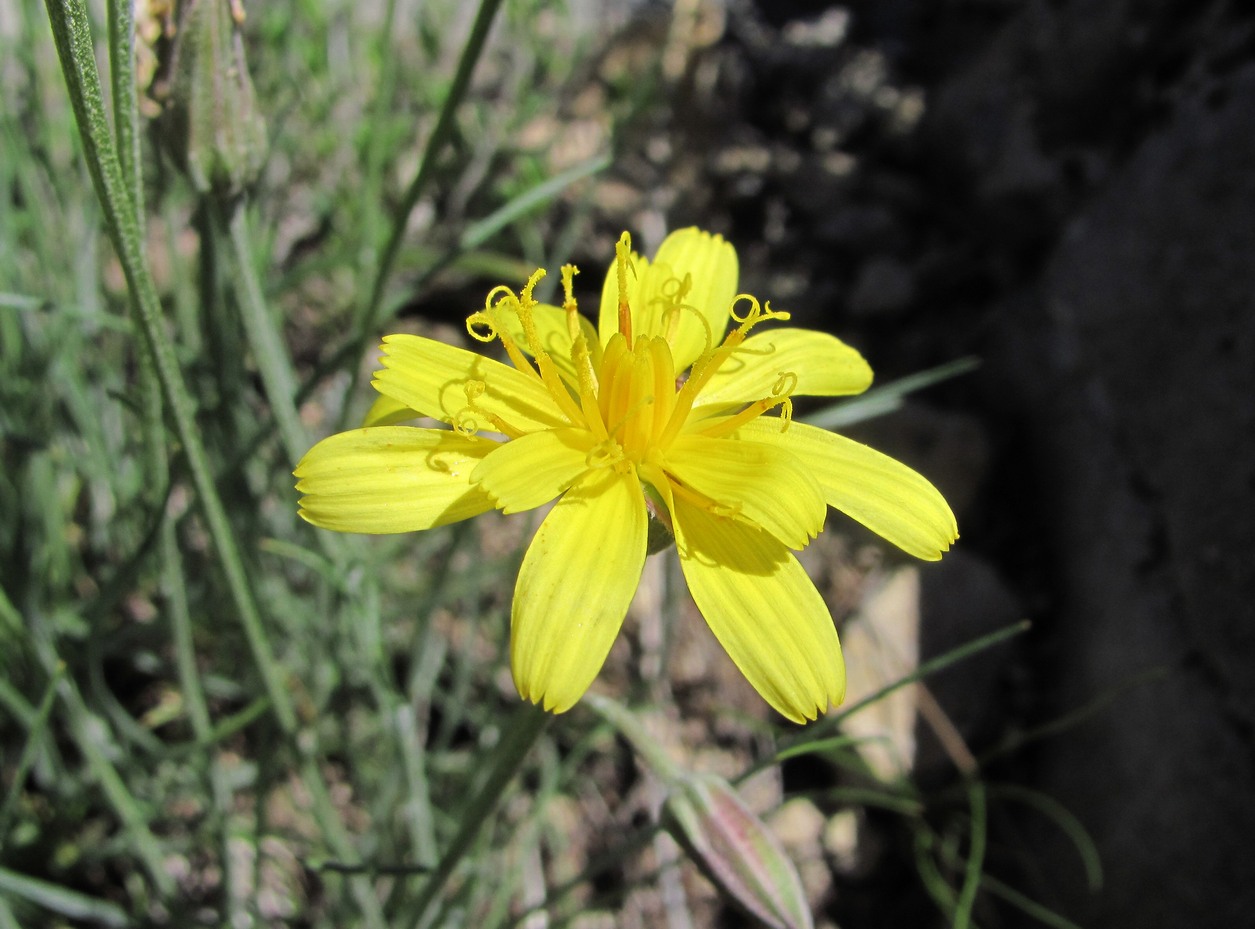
[643, 742]
[264, 338]
[72, 31]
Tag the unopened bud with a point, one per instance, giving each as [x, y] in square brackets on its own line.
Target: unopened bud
[214, 128]
[736, 850]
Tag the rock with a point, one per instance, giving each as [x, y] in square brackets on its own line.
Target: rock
[1134, 361]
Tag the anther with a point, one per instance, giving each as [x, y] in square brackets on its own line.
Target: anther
[480, 328]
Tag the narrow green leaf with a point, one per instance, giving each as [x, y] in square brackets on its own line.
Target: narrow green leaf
[1055, 811]
[887, 398]
[34, 736]
[975, 855]
[480, 232]
[68, 903]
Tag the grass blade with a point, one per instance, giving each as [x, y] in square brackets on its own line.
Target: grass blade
[62, 900]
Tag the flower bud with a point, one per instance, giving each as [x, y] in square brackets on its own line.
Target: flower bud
[736, 850]
[216, 132]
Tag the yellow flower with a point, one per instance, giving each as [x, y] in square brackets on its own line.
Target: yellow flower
[660, 410]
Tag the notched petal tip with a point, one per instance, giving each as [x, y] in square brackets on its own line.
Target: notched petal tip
[764, 610]
[889, 498]
[574, 587]
[388, 479]
[945, 540]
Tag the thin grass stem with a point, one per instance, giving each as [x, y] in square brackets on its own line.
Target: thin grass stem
[34, 736]
[521, 733]
[87, 737]
[975, 855]
[269, 352]
[440, 135]
[367, 316]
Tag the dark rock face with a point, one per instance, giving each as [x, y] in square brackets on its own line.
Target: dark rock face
[1135, 358]
[1076, 205]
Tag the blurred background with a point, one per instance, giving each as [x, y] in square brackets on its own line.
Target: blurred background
[1061, 190]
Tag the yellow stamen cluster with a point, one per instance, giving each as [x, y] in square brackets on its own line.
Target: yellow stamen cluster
[628, 395]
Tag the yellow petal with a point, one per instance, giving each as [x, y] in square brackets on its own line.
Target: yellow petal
[433, 378]
[757, 481]
[710, 263]
[573, 591]
[764, 611]
[530, 471]
[880, 492]
[388, 412]
[391, 479]
[554, 337]
[803, 361]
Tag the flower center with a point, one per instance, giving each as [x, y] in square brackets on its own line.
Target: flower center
[636, 393]
[632, 399]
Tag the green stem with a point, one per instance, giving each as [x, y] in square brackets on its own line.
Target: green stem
[72, 32]
[817, 732]
[273, 361]
[377, 154]
[125, 101]
[645, 745]
[87, 729]
[367, 316]
[435, 142]
[975, 856]
[175, 594]
[521, 734]
[34, 736]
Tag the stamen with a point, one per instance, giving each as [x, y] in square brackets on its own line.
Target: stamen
[697, 498]
[485, 325]
[749, 414]
[622, 260]
[480, 328]
[581, 356]
[757, 313]
[549, 375]
[526, 296]
[781, 396]
[611, 397]
[466, 424]
[523, 309]
[664, 384]
[785, 384]
[589, 401]
[608, 454]
[637, 419]
[673, 291]
[568, 301]
[706, 366]
[672, 324]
